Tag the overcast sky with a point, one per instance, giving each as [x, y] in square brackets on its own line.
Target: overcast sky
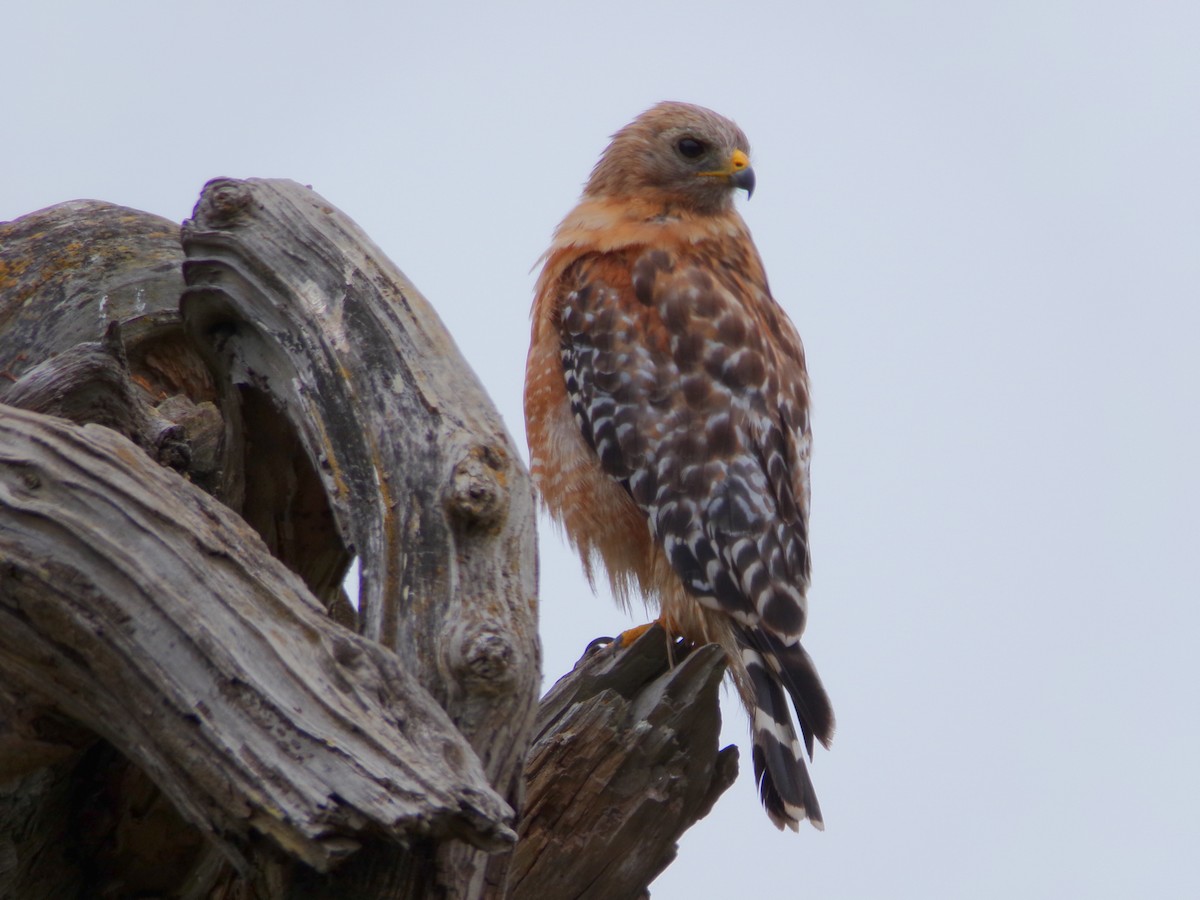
[984, 218]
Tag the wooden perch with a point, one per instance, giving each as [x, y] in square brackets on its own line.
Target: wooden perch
[180, 713]
[145, 610]
[624, 760]
[316, 333]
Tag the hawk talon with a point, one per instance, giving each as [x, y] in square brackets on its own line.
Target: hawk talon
[629, 635]
[598, 644]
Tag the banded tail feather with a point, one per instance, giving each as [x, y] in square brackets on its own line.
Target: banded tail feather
[794, 669]
[780, 772]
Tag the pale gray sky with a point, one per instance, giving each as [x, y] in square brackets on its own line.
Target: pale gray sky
[984, 218]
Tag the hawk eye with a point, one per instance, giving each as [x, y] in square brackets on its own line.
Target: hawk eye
[690, 147]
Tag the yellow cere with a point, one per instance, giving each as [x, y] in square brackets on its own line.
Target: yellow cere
[737, 162]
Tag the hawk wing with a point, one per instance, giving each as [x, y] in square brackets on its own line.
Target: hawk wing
[689, 384]
[690, 400]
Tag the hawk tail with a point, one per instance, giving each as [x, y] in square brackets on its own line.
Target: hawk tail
[779, 769]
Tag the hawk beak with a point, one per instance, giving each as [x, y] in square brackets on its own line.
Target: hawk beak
[738, 172]
[744, 179]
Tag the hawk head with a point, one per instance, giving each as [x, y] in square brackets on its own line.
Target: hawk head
[684, 155]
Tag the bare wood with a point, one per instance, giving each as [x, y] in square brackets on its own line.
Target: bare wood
[68, 271]
[337, 409]
[322, 337]
[143, 609]
[37, 753]
[70, 277]
[625, 759]
[71, 273]
[91, 383]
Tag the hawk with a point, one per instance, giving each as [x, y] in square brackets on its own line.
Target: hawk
[666, 407]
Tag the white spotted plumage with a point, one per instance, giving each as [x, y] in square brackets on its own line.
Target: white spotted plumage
[667, 414]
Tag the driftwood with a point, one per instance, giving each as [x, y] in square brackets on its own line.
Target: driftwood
[211, 429]
[642, 722]
[175, 635]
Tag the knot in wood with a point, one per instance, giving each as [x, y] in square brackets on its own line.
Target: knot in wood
[172, 448]
[484, 661]
[348, 653]
[479, 488]
[224, 202]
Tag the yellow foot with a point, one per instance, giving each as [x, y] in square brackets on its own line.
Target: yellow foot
[625, 638]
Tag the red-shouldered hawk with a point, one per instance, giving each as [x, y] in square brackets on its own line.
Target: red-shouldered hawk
[666, 403]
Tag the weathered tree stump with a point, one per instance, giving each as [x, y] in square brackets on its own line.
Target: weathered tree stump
[172, 633]
[642, 723]
[201, 432]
